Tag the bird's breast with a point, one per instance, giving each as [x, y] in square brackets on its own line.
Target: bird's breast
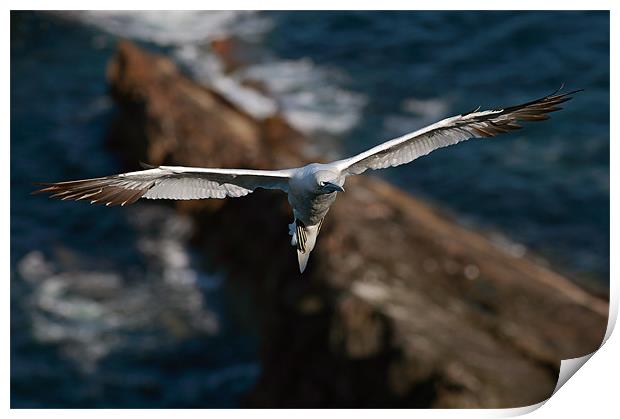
[312, 209]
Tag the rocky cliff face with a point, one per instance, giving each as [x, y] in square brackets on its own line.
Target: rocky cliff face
[399, 307]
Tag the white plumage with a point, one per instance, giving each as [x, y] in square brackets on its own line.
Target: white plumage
[311, 189]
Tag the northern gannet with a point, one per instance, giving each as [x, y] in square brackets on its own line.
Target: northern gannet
[311, 189]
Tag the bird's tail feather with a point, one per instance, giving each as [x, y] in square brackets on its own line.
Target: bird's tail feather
[302, 258]
[304, 239]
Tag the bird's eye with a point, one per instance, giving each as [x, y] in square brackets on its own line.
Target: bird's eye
[322, 184]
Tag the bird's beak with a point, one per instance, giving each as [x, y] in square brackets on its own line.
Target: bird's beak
[332, 187]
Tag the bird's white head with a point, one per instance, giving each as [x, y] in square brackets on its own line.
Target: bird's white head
[327, 182]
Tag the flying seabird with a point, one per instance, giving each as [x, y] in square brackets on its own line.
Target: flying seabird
[311, 189]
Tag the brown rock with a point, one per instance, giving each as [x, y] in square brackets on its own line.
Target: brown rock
[399, 307]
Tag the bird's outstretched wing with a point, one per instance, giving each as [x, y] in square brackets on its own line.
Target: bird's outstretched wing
[452, 131]
[168, 182]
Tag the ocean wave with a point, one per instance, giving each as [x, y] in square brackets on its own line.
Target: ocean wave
[309, 96]
[414, 114]
[207, 68]
[90, 312]
[175, 27]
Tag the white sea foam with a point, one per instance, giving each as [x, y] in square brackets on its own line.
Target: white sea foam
[434, 108]
[91, 312]
[175, 27]
[208, 69]
[308, 95]
[416, 113]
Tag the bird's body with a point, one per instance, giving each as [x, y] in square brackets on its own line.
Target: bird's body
[309, 202]
[313, 188]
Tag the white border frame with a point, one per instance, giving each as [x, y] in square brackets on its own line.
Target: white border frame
[592, 392]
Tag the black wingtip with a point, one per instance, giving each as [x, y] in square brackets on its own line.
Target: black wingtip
[41, 187]
[575, 91]
[564, 94]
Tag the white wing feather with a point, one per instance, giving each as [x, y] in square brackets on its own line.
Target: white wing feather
[170, 182]
[450, 131]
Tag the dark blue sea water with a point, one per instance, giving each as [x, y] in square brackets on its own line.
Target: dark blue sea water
[547, 186]
[112, 313]
[121, 313]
